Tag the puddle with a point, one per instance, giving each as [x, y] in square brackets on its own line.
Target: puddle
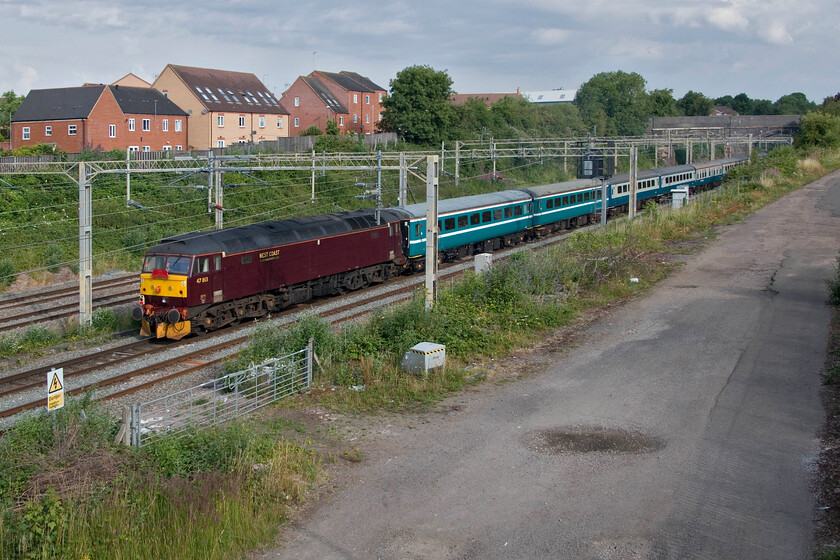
[588, 439]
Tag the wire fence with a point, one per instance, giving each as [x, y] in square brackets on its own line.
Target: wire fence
[219, 400]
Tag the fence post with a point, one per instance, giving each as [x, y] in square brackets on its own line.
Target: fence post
[310, 351]
[135, 426]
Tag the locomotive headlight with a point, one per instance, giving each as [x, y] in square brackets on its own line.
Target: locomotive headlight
[163, 300]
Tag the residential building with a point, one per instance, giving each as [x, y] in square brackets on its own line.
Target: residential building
[550, 97]
[225, 107]
[487, 98]
[353, 101]
[132, 80]
[101, 117]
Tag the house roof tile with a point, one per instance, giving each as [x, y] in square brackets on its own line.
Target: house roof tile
[58, 104]
[226, 90]
[326, 96]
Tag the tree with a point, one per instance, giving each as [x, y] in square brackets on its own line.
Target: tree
[8, 106]
[418, 107]
[743, 104]
[763, 107]
[725, 101]
[794, 104]
[332, 128]
[819, 129]
[662, 103]
[831, 105]
[615, 102]
[694, 104]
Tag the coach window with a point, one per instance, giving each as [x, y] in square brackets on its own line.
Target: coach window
[462, 221]
[508, 212]
[549, 204]
[517, 210]
[565, 201]
[497, 214]
[486, 216]
[440, 225]
[449, 223]
[475, 219]
[586, 196]
[417, 230]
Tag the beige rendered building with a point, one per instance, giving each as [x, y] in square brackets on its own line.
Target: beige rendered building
[224, 107]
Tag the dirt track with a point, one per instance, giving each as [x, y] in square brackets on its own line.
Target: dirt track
[682, 425]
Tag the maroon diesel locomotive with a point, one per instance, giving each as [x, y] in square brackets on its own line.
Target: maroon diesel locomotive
[204, 281]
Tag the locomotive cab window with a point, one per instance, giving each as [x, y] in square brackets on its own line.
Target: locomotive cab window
[178, 265]
[201, 265]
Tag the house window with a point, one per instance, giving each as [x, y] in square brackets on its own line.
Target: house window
[355, 118]
[340, 121]
[262, 122]
[367, 118]
[380, 98]
[147, 148]
[179, 147]
[279, 122]
[112, 131]
[134, 148]
[367, 99]
[297, 122]
[147, 125]
[26, 133]
[297, 101]
[355, 98]
[178, 125]
[47, 131]
[241, 121]
[131, 125]
[165, 125]
[167, 148]
[71, 129]
[220, 120]
[220, 143]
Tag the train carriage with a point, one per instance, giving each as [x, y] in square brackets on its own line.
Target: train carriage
[469, 224]
[564, 205]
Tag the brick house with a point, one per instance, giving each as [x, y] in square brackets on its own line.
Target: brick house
[225, 107]
[100, 116]
[353, 101]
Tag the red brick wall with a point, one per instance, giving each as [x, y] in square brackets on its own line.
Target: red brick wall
[107, 112]
[93, 132]
[59, 136]
[311, 109]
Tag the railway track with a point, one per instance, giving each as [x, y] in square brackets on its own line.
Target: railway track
[112, 368]
[42, 306]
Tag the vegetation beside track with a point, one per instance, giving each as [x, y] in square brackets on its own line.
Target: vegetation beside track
[67, 492]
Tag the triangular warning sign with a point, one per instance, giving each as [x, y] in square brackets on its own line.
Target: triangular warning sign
[55, 385]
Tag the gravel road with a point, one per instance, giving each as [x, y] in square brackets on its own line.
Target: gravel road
[683, 424]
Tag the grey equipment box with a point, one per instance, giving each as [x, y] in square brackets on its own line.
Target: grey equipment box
[423, 357]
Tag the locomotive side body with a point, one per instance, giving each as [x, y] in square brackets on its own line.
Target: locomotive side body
[248, 271]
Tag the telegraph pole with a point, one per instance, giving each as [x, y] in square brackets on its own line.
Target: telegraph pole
[432, 170]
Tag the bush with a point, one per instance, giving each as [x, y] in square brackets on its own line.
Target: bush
[834, 286]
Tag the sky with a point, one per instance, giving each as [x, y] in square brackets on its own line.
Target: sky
[764, 48]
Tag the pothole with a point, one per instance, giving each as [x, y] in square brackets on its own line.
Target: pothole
[589, 439]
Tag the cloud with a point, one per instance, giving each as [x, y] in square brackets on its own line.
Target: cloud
[776, 33]
[551, 37]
